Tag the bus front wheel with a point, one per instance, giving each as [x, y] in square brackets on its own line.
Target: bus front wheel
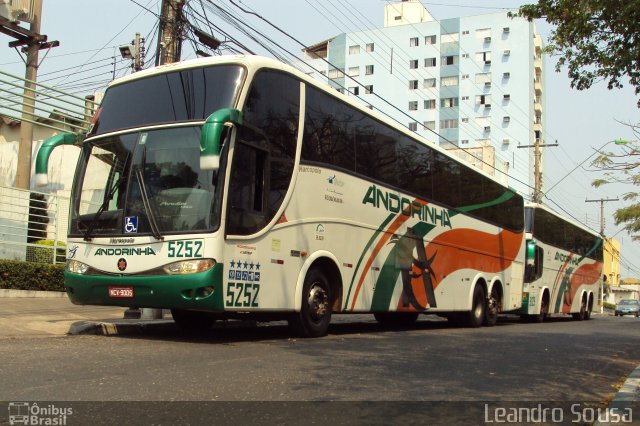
[315, 311]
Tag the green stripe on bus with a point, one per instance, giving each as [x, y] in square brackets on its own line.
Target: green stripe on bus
[501, 199]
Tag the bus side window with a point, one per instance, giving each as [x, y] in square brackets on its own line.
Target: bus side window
[246, 190]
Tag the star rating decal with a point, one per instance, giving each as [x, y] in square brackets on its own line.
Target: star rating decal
[244, 265]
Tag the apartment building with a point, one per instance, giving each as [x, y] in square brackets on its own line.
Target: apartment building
[472, 84]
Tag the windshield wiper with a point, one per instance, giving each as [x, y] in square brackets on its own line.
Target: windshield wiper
[101, 209]
[155, 230]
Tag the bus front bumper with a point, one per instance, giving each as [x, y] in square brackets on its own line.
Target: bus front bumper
[200, 291]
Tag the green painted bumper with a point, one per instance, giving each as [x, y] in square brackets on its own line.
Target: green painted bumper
[164, 291]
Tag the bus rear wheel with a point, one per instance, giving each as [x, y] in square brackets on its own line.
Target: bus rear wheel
[493, 308]
[579, 316]
[476, 316]
[193, 321]
[396, 319]
[315, 311]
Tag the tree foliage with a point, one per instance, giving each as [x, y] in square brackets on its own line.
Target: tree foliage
[623, 166]
[596, 39]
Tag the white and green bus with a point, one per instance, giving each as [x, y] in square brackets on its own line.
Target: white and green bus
[563, 272]
[237, 186]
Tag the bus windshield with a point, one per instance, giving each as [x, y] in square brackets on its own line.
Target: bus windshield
[130, 184]
[179, 96]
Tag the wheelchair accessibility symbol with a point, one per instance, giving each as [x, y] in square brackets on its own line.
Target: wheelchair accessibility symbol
[131, 224]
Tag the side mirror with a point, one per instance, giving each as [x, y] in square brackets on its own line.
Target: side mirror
[42, 158]
[212, 131]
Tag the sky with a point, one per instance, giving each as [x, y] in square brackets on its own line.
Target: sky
[90, 32]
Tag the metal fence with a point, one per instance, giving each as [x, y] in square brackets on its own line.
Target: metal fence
[33, 226]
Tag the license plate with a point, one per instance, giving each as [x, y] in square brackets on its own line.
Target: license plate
[121, 292]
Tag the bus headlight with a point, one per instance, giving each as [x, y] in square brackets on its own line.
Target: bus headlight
[77, 267]
[189, 266]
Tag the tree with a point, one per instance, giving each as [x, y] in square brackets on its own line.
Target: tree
[623, 167]
[596, 39]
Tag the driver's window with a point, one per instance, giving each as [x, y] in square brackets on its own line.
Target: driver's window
[264, 152]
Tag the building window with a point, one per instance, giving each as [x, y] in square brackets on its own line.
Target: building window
[465, 120]
[354, 90]
[449, 60]
[413, 106]
[465, 76]
[465, 55]
[449, 81]
[413, 84]
[429, 125]
[465, 32]
[484, 57]
[430, 62]
[430, 39]
[448, 102]
[483, 100]
[464, 141]
[413, 126]
[354, 71]
[430, 104]
[354, 50]
[483, 78]
[336, 73]
[429, 82]
[413, 64]
[449, 124]
[369, 47]
[368, 89]
[413, 41]
[465, 98]
[368, 70]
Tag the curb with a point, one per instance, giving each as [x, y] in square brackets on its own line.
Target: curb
[9, 292]
[627, 398]
[117, 328]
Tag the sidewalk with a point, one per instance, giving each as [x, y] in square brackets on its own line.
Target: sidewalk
[29, 313]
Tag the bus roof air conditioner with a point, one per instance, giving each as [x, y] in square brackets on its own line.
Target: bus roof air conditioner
[212, 130]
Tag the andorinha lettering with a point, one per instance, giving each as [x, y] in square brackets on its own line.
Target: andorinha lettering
[125, 251]
[564, 258]
[395, 204]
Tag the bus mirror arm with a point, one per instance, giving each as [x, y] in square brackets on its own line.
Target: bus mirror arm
[42, 158]
[212, 132]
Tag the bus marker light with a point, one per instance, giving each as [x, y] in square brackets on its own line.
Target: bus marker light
[277, 261]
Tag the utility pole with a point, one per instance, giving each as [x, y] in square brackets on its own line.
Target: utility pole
[601, 201]
[537, 168]
[170, 32]
[138, 58]
[33, 42]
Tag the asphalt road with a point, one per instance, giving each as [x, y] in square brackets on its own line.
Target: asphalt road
[560, 360]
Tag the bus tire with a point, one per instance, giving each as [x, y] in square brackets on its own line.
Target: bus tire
[315, 311]
[396, 319]
[476, 316]
[193, 321]
[492, 308]
[580, 316]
